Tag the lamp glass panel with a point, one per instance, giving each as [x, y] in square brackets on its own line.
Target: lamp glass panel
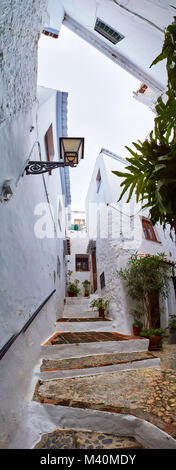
[71, 145]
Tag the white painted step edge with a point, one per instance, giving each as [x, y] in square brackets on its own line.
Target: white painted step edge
[76, 350]
[41, 419]
[61, 374]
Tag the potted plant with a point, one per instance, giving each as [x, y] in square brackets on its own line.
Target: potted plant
[172, 329]
[145, 278]
[73, 289]
[86, 285]
[155, 336]
[101, 305]
[137, 323]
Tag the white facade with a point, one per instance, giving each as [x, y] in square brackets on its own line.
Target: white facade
[77, 233]
[141, 26]
[117, 230]
[32, 251]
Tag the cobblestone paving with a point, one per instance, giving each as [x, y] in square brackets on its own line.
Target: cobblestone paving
[69, 439]
[149, 393]
[99, 360]
[167, 356]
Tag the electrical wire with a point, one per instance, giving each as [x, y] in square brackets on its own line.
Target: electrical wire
[123, 213]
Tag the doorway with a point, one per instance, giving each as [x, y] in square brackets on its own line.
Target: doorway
[94, 270]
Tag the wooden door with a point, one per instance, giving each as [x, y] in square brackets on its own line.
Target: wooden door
[94, 270]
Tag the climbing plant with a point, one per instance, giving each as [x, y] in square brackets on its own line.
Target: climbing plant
[151, 172]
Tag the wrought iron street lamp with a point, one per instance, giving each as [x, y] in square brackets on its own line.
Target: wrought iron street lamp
[71, 152]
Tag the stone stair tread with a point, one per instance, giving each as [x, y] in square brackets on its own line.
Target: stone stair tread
[88, 337]
[92, 361]
[132, 392]
[71, 439]
[81, 319]
[77, 314]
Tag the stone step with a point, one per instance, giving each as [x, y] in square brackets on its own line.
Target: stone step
[78, 337]
[99, 360]
[86, 325]
[74, 311]
[88, 319]
[71, 439]
[81, 300]
[74, 344]
[136, 393]
[77, 301]
[96, 364]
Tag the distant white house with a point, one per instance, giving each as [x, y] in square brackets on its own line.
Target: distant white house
[116, 230]
[128, 32]
[79, 260]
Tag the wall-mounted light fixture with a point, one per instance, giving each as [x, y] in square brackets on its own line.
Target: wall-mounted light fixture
[71, 152]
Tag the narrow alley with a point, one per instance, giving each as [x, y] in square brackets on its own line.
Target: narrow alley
[87, 230]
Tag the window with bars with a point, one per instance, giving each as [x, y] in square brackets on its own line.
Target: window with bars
[149, 230]
[82, 262]
[107, 31]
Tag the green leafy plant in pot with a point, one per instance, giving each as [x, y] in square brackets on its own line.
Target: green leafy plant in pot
[86, 285]
[73, 289]
[101, 305]
[144, 278]
[155, 336]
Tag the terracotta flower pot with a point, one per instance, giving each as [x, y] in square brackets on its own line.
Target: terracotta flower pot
[101, 312]
[136, 330]
[86, 294]
[70, 294]
[154, 343]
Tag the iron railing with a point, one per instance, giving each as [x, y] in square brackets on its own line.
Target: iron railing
[13, 338]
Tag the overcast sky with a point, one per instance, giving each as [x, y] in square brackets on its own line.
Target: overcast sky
[101, 106]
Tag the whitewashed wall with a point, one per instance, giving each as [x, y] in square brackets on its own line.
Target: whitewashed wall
[28, 263]
[117, 238]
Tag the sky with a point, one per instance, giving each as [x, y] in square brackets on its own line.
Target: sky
[101, 106]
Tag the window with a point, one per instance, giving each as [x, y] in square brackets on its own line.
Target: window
[107, 32]
[82, 263]
[102, 280]
[98, 180]
[148, 230]
[49, 144]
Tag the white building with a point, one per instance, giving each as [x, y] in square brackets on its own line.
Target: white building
[34, 213]
[79, 260]
[128, 32]
[116, 230]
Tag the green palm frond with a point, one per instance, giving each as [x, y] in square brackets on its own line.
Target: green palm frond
[151, 168]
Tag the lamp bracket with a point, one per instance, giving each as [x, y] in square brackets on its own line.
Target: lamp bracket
[38, 167]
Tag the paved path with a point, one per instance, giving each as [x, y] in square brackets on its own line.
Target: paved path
[139, 388]
[85, 440]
